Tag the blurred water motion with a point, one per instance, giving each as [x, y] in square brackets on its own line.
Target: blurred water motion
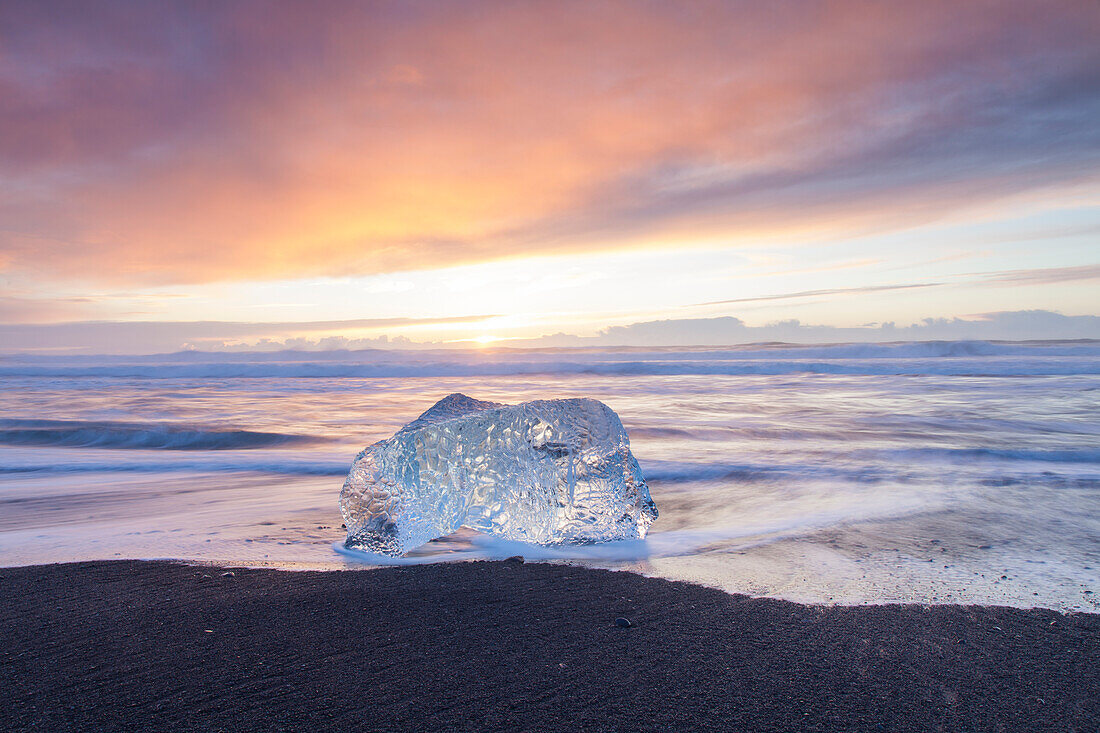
[858, 473]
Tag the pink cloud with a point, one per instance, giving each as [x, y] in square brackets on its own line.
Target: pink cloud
[191, 142]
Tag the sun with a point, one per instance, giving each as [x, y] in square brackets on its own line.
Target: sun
[486, 339]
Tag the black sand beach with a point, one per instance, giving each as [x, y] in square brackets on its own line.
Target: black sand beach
[117, 646]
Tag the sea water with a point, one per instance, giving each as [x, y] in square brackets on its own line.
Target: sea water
[859, 473]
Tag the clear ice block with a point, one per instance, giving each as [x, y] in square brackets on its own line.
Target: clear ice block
[546, 472]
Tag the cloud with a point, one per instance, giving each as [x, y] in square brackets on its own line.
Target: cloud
[1045, 276]
[101, 306]
[1037, 276]
[830, 291]
[32, 310]
[1006, 325]
[194, 142]
[146, 337]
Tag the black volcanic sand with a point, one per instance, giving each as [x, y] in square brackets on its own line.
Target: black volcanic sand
[117, 646]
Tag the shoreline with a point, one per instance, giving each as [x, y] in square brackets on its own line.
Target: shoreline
[126, 645]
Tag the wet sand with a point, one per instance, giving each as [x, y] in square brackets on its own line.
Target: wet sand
[502, 646]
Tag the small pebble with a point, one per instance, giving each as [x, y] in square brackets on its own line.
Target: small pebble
[623, 623]
[228, 574]
[985, 547]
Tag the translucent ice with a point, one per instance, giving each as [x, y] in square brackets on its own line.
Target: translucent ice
[548, 472]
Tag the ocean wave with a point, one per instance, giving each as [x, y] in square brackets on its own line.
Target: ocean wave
[667, 472]
[672, 543]
[851, 350]
[968, 367]
[285, 468]
[118, 435]
[645, 431]
[676, 472]
[934, 350]
[1085, 455]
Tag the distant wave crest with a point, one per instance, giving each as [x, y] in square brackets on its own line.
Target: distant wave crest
[946, 358]
[284, 468]
[79, 434]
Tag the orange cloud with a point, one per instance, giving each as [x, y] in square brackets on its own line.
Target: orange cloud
[159, 144]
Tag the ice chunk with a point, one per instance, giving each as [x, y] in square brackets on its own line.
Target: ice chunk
[547, 472]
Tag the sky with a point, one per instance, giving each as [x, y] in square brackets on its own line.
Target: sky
[237, 175]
